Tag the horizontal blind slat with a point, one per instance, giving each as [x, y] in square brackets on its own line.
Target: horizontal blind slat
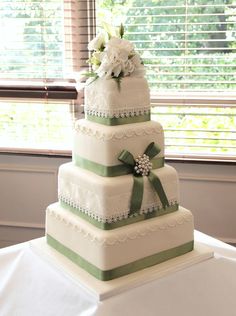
[182, 15]
[188, 48]
[46, 40]
[194, 6]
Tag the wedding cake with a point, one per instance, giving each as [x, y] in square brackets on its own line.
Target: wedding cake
[118, 210]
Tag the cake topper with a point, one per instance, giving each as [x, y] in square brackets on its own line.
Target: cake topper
[112, 56]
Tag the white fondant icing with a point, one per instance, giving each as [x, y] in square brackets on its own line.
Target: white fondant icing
[114, 248]
[108, 198]
[103, 97]
[103, 144]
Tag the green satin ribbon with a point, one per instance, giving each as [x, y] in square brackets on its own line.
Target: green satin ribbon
[112, 121]
[112, 171]
[137, 192]
[122, 270]
[126, 221]
[156, 183]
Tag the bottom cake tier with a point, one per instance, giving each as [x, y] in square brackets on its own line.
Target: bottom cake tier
[114, 253]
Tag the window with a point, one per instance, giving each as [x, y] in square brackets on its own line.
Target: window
[35, 29]
[44, 39]
[188, 47]
[46, 44]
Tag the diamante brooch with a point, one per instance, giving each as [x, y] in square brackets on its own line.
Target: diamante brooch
[142, 165]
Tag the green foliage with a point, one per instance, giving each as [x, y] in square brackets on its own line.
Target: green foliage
[35, 125]
[209, 64]
[181, 53]
[197, 53]
[36, 29]
[208, 130]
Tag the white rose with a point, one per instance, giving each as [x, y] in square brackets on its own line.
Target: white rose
[113, 62]
[116, 60]
[120, 44]
[109, 67]
[139, 69]
[128, 68]
[98, 43]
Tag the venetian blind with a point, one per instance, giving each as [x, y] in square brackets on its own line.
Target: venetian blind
[43, 43]
[189, 50]
[38, 38]
[79, 29]
[31, 39]
[43, 40]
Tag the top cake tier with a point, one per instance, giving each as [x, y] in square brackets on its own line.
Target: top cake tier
[108, 98]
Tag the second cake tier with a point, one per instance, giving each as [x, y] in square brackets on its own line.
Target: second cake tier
[106, 201]
[97, 147]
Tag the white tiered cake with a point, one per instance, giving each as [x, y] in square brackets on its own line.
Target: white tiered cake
[118, 209]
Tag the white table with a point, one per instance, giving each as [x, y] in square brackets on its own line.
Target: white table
[31, 286]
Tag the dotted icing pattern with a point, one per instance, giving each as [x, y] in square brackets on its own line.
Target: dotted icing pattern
[115, 217]
[121, 113]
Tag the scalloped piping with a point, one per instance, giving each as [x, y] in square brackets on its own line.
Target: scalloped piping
[116, 135]
[125, 237]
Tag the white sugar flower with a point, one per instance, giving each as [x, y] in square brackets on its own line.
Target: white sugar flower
[120, 44]
[128, 68]
[113, 62]
[95, 60]
[114, 57]
[110, 66]
[139, 69]
[98, 43]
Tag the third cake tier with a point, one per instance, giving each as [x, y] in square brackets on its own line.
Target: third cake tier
[106, 201]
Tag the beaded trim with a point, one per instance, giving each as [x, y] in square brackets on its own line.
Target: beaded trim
[115, 217]
[121, 113]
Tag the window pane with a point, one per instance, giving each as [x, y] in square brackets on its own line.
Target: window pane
[185, 44]
[202, 131]
[38, 125]
[189, 50]
[47, 40]
[31, 39]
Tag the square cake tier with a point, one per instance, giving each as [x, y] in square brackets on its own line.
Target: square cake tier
[114, 253]
[97, 147]
[105, 201]
[109, 98]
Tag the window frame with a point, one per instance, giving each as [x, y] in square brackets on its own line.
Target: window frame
[66, 89]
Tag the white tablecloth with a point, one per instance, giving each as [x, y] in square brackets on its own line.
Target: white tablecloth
[31, 286]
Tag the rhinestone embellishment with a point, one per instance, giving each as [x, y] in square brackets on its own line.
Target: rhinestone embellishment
[143, 165]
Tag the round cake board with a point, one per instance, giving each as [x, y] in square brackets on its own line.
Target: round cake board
[104, 289]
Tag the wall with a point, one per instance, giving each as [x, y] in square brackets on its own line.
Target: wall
[29, 183]
[209, 190]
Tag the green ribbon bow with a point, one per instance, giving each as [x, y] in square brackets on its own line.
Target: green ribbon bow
[137, 191]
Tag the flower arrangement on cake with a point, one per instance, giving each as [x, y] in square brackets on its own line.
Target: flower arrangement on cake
[112, 56]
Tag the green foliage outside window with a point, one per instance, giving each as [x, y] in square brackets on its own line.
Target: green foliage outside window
[204, 60]
[31, 34]
[186, 46]
[181, 45]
